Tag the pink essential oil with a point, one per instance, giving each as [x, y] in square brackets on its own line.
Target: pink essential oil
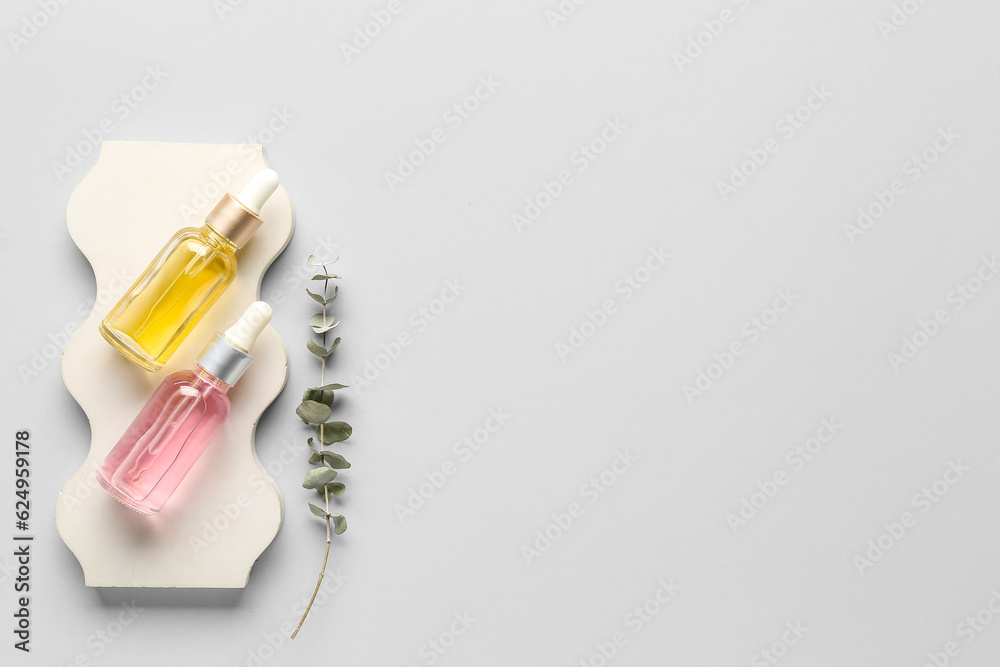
[180, 419]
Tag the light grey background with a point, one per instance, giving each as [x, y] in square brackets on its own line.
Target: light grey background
[495, 346]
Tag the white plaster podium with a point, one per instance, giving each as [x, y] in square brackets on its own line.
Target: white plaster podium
[228, 509]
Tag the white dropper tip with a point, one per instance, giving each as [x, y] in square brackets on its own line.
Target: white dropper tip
[259, 189]
[244, 333]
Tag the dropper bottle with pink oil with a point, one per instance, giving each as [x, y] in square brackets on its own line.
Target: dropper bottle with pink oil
[179, 420]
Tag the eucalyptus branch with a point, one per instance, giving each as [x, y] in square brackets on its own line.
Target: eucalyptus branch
[315, 410]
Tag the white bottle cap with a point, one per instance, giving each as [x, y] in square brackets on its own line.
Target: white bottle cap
[244, 333]
[227, 356]
[258, 190]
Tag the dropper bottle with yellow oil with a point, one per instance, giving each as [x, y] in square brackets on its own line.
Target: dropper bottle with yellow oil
[186, 278]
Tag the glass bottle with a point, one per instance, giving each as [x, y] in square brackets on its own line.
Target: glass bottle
[179, 420]
[186, 278]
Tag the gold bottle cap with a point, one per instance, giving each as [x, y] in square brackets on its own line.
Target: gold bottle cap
[238, 217]
[234, 220]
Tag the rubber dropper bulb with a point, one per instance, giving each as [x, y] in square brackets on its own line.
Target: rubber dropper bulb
[258, 190]
[244, 333]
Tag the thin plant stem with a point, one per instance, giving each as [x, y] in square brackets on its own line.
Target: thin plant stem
[326, 491]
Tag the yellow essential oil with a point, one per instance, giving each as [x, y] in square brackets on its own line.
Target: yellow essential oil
[171, 296]
[186, 278]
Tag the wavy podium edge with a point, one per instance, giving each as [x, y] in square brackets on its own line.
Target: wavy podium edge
[78, 391]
